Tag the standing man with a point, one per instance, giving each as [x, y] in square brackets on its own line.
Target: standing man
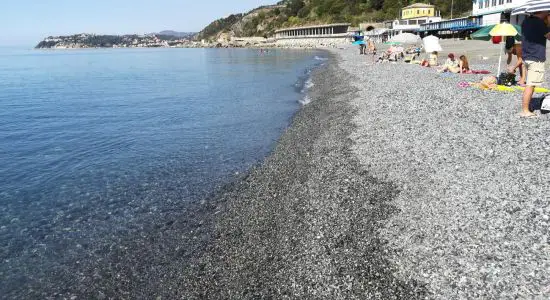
[535, 32]
[519, 65]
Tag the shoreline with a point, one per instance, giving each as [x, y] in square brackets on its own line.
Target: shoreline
[137, 255]
[304, 224]
[392, 183]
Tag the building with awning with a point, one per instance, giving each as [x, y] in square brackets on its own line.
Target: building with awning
[326, 35]
[495, 11]
[327, 30]
[484, 13]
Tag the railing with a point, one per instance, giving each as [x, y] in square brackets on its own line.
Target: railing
[456, 24]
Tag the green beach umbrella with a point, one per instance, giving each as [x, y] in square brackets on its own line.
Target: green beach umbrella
[483, 33]
[393, 43]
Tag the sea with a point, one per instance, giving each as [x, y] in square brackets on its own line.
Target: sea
[103, 144]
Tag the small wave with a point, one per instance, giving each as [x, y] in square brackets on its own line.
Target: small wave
[305, 100]
[320, 58]
[309, 84]
[306, 85]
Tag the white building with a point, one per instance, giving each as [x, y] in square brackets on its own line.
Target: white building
[413, 16]
[495, 11]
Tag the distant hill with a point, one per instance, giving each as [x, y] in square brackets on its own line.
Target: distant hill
[263, 21]
[85, 40]
[185, 35]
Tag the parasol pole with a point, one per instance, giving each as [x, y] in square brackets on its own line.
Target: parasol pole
[500, 57]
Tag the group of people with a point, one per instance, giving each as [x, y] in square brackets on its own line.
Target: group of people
[368, 48]
[530, 53]
[455, 66]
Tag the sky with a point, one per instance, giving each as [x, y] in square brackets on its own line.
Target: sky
[26, 22]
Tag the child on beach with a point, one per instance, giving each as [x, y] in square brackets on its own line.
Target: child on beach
[432, 61]
[463, 64]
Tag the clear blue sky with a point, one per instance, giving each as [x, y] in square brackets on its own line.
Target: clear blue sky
[26, 22]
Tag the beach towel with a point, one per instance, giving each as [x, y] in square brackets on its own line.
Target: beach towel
[476, 72]
[488, 83]
[537, 89]
[488, 87]
[497, 88]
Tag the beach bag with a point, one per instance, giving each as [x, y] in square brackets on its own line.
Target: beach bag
[540, 103]
[507, 79]
[545, 104]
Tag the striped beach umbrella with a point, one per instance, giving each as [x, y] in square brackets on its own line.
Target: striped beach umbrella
[532, 6]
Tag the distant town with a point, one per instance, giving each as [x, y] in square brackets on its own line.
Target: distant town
[167, 39]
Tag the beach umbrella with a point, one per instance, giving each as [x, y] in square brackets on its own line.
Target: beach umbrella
[405, 38]
[483, 33]
[431, 44]
[532, 6]
[503, 29]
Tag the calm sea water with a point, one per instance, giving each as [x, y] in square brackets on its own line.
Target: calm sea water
[94, 143]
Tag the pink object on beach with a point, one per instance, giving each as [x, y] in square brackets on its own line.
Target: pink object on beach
[476, 72]
[463, 84]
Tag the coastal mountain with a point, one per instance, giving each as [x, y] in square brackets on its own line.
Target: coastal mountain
[263, 21]
[85, 40]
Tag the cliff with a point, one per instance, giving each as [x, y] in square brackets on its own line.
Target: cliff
[263, 21]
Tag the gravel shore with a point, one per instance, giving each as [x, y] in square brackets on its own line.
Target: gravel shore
[473, 177]
[392, 183]
[305, 224]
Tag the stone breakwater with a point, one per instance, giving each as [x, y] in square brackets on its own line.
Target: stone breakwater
[474, 209]
[313, 42]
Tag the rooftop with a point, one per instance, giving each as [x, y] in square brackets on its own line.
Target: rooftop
[419, 5]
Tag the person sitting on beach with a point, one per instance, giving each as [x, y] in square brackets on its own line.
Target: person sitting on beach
[463, 64]
[432, 61]
[517, 51]
[388, 55]
[451, 65]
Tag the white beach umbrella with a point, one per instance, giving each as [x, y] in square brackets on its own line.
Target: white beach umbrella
[532, 6]
[405, 38]
[431, 44]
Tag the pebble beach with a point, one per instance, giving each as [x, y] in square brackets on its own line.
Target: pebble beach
[393, 183]
[472, 177]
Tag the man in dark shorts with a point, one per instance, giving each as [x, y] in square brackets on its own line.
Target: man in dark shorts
[535, 32]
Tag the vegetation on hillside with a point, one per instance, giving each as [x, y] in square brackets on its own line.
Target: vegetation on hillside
[265, 20]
